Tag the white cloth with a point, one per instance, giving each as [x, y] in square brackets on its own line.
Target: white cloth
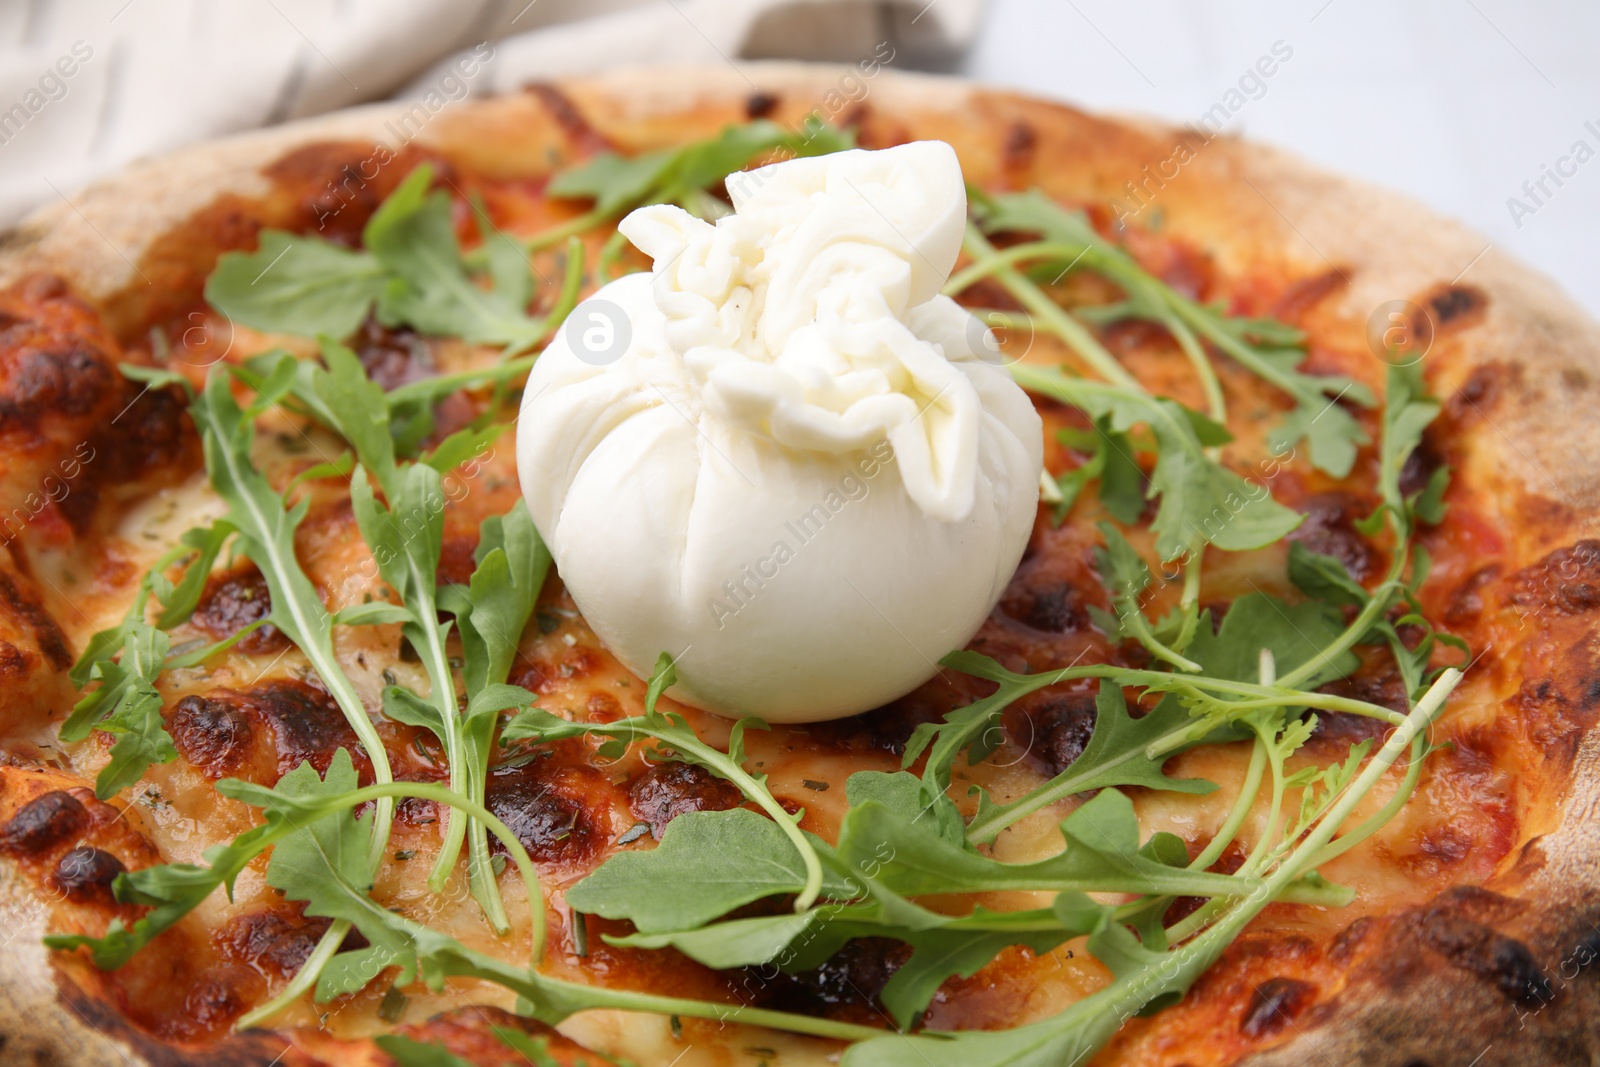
[88, 85]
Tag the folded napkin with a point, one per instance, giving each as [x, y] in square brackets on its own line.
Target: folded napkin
[88, 85]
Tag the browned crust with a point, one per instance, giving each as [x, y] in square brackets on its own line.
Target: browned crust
[1442, 984]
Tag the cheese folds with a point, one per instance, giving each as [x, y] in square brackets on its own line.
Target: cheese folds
[782, 457]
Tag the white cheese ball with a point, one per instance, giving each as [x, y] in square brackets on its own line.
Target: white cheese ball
[782, 456]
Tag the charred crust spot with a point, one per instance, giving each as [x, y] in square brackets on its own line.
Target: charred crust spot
[1047, 606]
[567, 116]
[221, 732]
[62, 380]
[1420, 466]
[308, 725]
[1055, 728]
[1477, 394]
[85, 874]
[217, 999]
[212, 732]
[669, 790]
[1306, 293]
[1457, 306]
[43, 823]
[760, 104]
[1019, 146]
[885, 729]
[1466, 603]
[542, 806]
[1346, 728]
[274, 942]
[846, 986]
[393, 356]
[1329, 529]
[1274, 1005]
[1565, 582]
[1476, 948]
[336, 186]
[52, 642]
[15, 662]
[152, 432]
[234, 600]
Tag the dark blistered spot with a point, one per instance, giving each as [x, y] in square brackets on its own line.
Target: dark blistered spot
[1020, 144]
[52, 642]
[886, 729]
[393, 356]
[567, 116]
[1456, 306]
[1565, 582]
[1466, 603]
[1303, 295]
[1048, 606]
[1477, 394]
[337, 185]
[1474, 947]
[217, 999]
[1274, 1005]
[847, 986]
[85, 874]
[669, 790]
[1054, 728]
[1345, 728]
[234, 600]
[275, 941]
[760, 104]
[52, 377]
[1420, 466]
[153, 431]
[306, 723]
[43, 823]
[212, 732]
[538, 805]
[1329, 529]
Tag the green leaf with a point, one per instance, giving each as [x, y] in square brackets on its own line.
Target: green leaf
[1102, 855]
[1201, 501]
[412, 234]
[1114, 756]
[1295, 634]
[297, 285]
[707, 864]
[409, 1053]
[611, 180]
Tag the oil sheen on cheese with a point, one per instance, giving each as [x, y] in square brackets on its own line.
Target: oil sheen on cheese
[782, 456]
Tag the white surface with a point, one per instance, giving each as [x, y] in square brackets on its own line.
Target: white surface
[140, 77]
[1457, 102]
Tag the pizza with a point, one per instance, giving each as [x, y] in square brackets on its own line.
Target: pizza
[1277, 747]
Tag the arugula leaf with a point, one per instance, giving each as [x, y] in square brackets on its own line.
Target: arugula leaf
[673, 176]
[707, 864]
[1115, 755]
[266, 528]
[409, 1053]
[173, 890]
[413, 235]
[679, 738]
[1102, 855]
[1270, 350]
[1111, 461]
[1126, 576]
[1201, 500]
[412, 273]
[297, 285]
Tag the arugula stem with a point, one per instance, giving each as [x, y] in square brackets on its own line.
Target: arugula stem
[567, 230]
[304, 979]
[1052, 315]
[1229, 829]
[428, 388]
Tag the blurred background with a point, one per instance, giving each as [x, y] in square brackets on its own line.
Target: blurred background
[1487, 110]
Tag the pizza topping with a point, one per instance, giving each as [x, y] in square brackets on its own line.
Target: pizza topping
[785, 439]
[43, 823]
[737, 883]
[235, 600]
[86, 873]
